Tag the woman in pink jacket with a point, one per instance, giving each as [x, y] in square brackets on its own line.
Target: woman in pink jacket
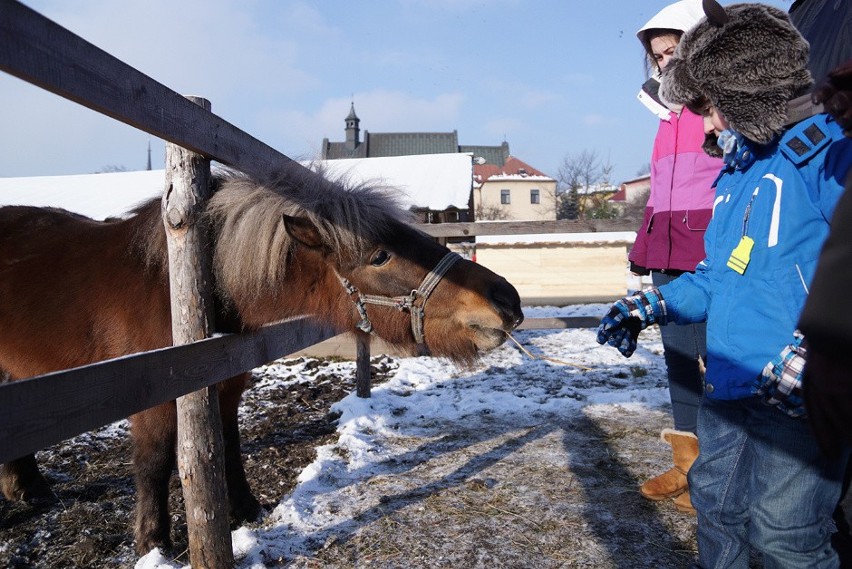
[671, 239]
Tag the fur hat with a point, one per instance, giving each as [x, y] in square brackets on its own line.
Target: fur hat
[748, 60]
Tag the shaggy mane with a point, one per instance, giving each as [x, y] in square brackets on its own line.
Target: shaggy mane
[251, 243]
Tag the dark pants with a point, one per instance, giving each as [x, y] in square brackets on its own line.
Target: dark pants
[682, 345]
[842, 540]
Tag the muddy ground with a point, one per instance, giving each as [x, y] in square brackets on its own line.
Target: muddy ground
[494, 508]
[88, 523]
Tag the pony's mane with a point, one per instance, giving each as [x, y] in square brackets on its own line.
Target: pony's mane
[251, 243]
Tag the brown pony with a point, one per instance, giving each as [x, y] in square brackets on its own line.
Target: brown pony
[75, 291]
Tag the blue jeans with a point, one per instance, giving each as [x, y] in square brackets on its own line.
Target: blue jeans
[760, 481]
[682, 344]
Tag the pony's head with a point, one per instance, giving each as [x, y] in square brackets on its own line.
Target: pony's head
[299, 243]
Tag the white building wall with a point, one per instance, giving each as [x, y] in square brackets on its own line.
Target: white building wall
[520, 208]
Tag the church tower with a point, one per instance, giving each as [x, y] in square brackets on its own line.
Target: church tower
[353, 131]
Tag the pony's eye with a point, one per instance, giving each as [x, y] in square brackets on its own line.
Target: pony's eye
[380, 257]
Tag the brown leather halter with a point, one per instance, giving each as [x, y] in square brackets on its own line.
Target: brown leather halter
[414, 302]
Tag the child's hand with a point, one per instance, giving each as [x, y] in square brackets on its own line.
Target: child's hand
[628, 316]
[780, 384]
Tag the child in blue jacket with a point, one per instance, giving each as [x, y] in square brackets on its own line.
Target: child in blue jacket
[760, 480]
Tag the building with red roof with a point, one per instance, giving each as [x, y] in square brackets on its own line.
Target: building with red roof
[514, 191]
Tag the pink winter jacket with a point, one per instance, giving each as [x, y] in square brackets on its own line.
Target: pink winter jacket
[681, 201]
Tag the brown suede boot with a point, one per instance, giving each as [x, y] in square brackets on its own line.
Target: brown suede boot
[683, 504]
[672, 483]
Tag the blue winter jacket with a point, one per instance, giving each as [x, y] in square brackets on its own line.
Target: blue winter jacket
[781, 196]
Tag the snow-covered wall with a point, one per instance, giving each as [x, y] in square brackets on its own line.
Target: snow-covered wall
[561, 268]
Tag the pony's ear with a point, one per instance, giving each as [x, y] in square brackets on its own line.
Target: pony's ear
[303, 231]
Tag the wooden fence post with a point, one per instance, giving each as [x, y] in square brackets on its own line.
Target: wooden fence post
[201, 462]
[362, 364]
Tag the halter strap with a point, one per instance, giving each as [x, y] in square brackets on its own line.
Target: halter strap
[414, 302]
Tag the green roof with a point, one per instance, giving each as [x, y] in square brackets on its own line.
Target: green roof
[382, 144]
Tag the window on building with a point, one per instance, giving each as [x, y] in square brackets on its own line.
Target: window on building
[505, 197]
[535, 196]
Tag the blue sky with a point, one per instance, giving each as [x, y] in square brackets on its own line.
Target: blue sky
[551, 77]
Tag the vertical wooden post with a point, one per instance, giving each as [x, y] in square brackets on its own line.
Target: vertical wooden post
[200, 447]
[362, 364]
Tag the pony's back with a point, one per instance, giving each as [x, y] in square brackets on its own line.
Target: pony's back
[74, 290]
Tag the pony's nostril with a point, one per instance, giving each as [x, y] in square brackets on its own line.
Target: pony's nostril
[504, 298]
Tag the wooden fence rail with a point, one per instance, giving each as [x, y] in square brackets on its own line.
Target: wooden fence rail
[45, 54]
[472, 229]
[38, 412]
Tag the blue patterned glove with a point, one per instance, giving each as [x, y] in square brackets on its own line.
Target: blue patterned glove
[780, 383]
[621, 325]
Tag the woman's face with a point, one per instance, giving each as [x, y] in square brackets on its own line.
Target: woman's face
[662, 49]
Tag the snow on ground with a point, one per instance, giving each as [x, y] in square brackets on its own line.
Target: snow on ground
[427, 398]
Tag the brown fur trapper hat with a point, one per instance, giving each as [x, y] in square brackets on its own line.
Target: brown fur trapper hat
[748, 60]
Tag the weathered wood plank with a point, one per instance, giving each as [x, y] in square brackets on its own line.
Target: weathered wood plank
[560, 323]
[44, 53]
[38, 412]
[472, 229]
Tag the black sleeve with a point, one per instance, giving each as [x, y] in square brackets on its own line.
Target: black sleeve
[825, 319]
[827, 25]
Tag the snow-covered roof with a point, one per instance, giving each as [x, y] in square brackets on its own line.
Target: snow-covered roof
[597, 189]
[95, 195]
[435, 181]
[514, 169]
[519, 178]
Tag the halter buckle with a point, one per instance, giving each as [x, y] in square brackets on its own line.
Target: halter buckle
[404, 303]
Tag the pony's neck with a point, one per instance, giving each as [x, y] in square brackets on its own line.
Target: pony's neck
[148, 238]
[307, 286]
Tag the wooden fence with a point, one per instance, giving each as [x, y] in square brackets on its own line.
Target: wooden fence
[38, 412]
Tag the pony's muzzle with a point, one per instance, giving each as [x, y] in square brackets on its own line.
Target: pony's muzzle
[504, 298]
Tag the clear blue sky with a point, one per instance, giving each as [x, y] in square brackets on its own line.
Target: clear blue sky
[551, 77]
